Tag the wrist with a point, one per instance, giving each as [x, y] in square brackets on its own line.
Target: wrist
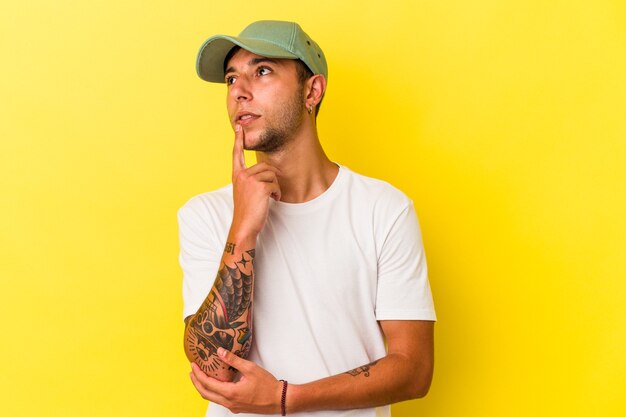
[283, 397]
[242, 239]
[293, 403]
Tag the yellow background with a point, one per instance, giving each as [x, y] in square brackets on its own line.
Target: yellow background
[505, 122]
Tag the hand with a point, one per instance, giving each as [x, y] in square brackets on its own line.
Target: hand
[252, 189]
[257, 391]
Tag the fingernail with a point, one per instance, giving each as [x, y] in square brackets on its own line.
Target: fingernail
[221, 352]
[237, 127]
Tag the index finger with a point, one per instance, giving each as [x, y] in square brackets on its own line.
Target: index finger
[239, 162]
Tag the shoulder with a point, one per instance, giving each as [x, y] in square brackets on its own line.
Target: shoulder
[208, 204]
[376, 192]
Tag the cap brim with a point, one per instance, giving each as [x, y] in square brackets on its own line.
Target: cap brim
[210, 61]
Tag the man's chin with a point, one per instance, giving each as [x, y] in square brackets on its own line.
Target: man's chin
[250, 141]
[267, 141]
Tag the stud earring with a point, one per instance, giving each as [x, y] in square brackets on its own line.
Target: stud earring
[310, 109]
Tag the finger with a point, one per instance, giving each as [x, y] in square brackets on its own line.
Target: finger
[274, 190]
[262, 166]
[205, 384]
[203, 391]
[266, 176]
[276, 195]
[239, 162]
[235, 361]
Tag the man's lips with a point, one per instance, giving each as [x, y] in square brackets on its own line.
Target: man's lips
[244, 118]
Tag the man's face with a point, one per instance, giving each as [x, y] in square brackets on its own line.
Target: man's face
[265, 98]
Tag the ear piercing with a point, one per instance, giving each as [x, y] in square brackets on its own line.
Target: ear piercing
[310, 108]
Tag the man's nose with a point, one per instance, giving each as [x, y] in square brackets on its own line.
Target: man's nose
[240, 90]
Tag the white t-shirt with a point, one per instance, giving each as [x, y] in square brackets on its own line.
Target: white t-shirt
[326, 271]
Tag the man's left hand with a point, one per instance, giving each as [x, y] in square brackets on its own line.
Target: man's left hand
[256, 391]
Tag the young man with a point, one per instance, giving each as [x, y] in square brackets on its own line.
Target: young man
[300, 270]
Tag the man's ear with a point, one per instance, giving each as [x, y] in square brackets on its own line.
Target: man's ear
[315, 88]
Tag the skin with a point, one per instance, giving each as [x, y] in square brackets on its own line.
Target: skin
[269, 128]
[293, 169]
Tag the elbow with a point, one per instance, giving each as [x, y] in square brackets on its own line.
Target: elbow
[190, 356]
[420, 385]
[418, 389]
[188, 346]
[207, 362]
[190, 342]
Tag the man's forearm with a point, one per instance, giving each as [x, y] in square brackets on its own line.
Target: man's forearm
[225, 317]
[388, 380]
[405, 373]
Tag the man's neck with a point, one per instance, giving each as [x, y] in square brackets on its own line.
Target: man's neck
[305, 170]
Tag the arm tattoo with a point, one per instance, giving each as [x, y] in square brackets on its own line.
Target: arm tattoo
[230, 248]
[225, 317]
[365, 370]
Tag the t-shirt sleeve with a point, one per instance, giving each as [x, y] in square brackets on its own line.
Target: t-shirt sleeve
[403, 291]
[199, 255]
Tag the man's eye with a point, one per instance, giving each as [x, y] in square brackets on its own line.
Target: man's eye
[230, 80]
[264, 71]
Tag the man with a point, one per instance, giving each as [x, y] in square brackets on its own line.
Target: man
[301, 266]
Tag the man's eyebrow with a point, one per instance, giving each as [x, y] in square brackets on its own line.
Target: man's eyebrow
[255, 61]
[252, 62]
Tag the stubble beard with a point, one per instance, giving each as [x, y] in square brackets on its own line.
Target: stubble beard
[277, 134]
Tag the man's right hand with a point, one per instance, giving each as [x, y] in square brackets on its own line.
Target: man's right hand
[252, 189]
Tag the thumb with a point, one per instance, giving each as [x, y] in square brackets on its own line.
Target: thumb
[233, 360]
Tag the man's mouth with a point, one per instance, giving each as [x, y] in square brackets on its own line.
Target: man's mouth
[246, 118]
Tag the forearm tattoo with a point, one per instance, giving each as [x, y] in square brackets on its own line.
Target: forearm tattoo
[230, 248]
[365, 370]
[225, 317]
